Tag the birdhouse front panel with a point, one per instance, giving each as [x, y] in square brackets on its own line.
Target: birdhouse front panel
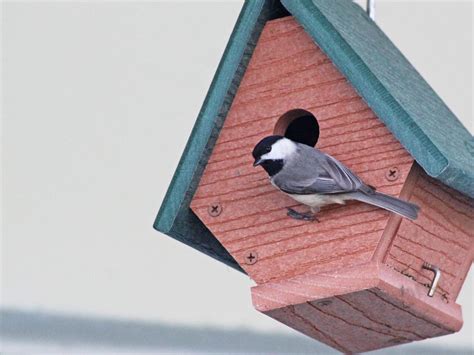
[290, 81]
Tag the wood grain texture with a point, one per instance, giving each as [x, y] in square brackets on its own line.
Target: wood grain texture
[443, 235]
[175, 218]
[381, 308]
[395, 220]
[288, 71]
[394, 89]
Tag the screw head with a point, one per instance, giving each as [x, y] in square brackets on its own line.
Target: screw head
[324, 303]
[214, 209]
[392, 173]
[251, 257]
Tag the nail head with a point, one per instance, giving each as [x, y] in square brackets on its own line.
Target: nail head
[324, 303]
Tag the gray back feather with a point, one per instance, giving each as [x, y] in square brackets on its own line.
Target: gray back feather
[310, 171]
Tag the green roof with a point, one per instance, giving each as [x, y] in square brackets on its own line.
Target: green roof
[390, 85]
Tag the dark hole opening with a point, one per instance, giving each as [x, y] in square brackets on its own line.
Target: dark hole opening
[300, 126]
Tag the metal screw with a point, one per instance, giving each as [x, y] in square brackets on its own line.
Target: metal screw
[324, 303]
[214, 209]
[392, 174]
[251, 258]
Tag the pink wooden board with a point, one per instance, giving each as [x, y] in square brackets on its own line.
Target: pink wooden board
[443, 235]
[288, 71]
[360, 309]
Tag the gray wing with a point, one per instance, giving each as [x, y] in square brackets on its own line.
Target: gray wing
[315, 172]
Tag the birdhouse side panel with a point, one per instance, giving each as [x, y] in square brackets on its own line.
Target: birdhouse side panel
[443, 235]
[288, 71]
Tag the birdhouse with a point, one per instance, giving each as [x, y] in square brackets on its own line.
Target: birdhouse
[323, 74]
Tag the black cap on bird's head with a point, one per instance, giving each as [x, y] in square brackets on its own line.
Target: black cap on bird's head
[264, 147]
[272, 152]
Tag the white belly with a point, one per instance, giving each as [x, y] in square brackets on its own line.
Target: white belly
[316, 200]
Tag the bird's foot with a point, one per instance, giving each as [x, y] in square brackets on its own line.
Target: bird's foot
[310, 217]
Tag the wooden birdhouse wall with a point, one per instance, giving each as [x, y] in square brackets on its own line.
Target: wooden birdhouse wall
[442, 235]
[288, 71]
[358, 309]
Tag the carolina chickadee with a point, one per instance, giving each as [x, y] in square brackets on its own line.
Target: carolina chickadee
[315, 179]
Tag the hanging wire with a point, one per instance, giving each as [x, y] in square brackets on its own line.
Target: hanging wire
[371, 9]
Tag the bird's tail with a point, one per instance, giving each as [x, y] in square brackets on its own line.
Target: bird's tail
[392, 204]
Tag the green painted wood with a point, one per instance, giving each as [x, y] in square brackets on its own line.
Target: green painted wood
[392, 87]
[175, 218]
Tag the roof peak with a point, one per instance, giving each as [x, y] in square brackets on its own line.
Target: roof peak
[397, 93]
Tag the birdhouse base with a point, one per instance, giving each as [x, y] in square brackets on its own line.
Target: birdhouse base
[359, 309]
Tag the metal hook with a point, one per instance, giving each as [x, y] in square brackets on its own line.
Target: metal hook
[371, 9]
[437, 276]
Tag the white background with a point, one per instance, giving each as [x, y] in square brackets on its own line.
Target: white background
[98, 100]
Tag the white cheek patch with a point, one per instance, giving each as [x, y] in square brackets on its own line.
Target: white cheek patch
[281, 150]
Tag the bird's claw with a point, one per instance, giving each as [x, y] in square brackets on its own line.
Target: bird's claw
[310, 217]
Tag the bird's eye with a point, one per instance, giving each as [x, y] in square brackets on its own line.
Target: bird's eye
[268, 149]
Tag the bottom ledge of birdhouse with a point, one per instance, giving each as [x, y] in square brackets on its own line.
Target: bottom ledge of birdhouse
[359, 309]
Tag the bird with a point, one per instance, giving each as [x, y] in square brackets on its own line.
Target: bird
[315, 179]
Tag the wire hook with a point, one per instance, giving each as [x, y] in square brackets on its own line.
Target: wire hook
[371, 9]
[437, 276]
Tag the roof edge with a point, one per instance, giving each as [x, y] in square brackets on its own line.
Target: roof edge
[205, 121]
[368, 85]
[458, 179]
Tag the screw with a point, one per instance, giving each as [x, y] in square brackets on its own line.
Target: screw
[324, 303]
[251, 258]
[214, 209]
[392, 174]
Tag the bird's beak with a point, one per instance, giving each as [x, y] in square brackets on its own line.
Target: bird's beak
[258, 161]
